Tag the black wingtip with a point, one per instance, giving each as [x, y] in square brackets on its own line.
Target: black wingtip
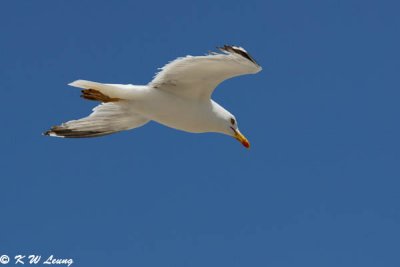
[238, 50]
[61, 131]
[50, 133]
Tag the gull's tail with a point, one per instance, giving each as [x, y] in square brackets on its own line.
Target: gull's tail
[103, 92]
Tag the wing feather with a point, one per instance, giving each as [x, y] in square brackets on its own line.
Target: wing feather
[198, 76]
[105, 119]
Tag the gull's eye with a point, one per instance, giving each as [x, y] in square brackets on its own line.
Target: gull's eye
[232, 121]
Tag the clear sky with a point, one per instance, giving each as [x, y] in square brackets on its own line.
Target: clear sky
[319, 187]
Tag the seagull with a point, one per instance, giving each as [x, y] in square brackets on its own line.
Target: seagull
[179, 96]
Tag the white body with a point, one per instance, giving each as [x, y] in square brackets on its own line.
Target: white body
[182, 114]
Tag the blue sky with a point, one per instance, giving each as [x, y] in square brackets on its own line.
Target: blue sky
[319, 187]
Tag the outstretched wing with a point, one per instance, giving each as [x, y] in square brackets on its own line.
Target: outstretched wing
[196, 77]
[105, 119]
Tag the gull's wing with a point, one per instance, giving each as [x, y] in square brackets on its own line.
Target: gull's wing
[106, 118]
[196, 77]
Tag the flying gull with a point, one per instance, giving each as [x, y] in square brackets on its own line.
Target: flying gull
[179, 97]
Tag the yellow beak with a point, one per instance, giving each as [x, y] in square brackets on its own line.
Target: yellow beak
[240, 137]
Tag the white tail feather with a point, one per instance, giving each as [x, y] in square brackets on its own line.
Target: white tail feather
[110, 90]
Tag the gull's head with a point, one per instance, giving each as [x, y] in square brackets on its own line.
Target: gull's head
[226, 123]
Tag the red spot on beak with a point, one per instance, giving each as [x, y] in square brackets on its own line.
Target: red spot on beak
[246, 144]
